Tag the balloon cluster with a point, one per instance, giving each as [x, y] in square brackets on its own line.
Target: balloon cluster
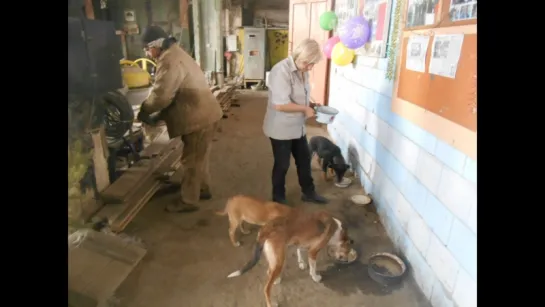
[351, 35]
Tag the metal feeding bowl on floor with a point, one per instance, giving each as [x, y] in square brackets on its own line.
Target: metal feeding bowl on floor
[352, 256]
[386, 269]
[344, 183]
[361, 200]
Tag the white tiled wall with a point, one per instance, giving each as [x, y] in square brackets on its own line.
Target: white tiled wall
[424, 189]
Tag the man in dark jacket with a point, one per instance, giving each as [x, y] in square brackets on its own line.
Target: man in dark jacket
[188, 107]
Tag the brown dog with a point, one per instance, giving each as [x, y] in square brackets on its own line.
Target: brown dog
[247, 209]
[312, 231]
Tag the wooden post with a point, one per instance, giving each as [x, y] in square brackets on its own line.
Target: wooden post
[100, 162]
[123, 43]
[89, 12]
[184, 21]
[197, 33]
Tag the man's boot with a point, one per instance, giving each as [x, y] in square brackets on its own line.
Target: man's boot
[180, 207]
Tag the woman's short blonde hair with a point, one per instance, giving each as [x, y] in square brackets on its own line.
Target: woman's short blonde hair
[308, 51]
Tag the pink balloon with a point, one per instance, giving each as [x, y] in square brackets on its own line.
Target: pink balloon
[328, 46]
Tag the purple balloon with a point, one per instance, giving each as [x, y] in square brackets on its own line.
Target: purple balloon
[355, 32]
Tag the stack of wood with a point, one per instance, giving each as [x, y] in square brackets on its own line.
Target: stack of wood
[127, 195]
[224, 96]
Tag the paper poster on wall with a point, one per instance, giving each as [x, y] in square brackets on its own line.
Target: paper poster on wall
[417, 47]
[445, 54]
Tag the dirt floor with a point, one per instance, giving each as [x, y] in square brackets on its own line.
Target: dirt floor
[189, 255]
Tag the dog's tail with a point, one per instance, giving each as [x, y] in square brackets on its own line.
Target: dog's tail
[250, 264]
[224, 211]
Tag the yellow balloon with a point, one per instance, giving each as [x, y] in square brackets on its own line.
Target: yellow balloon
[342, 55]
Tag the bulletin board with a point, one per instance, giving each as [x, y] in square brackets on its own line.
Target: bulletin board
[452, 99]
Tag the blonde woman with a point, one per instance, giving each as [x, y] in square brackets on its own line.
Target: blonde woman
[287, 110]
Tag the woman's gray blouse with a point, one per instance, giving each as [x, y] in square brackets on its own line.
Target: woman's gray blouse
[286, 85]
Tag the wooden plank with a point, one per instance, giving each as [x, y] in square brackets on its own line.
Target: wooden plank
[90, 207]
[85, 282]
[119, 215]
[156, 148]
[171, 164]
[112, 249]
[141, 199]
[114, 275]
[76, 299]
[145, 193]
[100, 163]
[130, 181]
[117, 192]
[184, 6]
[89, 11]
[98, 265]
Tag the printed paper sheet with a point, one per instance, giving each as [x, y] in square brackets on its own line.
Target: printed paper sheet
[445, 54]
[417, 47]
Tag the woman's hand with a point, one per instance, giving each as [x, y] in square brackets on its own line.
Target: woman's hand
[309, 112]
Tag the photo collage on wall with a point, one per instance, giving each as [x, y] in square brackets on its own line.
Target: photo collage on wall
[421, 12]
[345, 9]
[463, 10]
[377, 12]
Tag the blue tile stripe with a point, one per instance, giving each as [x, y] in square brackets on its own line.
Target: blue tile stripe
[399, 236]
[411, 188]
[380, 105]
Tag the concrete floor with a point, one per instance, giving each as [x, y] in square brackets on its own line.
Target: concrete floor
[190, 255]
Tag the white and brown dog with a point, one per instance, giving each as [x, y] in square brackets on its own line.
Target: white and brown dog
[247, 209]
[311, 231]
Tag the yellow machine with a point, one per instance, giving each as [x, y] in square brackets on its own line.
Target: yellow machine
[135, 76]
[143, 62]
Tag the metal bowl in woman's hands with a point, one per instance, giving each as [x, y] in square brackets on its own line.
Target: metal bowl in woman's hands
[325, 115]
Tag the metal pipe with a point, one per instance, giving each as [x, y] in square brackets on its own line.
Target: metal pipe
[218, 6]
[197, 31]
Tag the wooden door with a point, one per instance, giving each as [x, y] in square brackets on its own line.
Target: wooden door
[305, 23]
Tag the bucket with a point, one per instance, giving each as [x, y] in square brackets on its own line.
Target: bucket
[136, 96]
[325, 115]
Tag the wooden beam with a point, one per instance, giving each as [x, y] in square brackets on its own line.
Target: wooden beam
[122, 36]
[100, 163]
[89, 12]
[184, 18]
[197, 33]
